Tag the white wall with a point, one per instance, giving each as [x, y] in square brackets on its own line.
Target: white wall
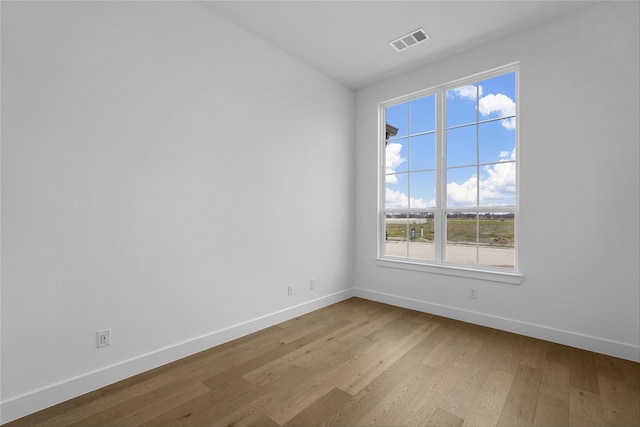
[166, 175]
[579, 231]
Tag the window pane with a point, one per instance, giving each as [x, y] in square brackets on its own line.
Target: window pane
[497, 141]
[423, 115]
[462, 148]
[423, 152]
[496, 238]
[397, 156]
[422, 187]
[461, 105]
[462, 231]
[395, 225]
[396, 193]
[462, 187]
[398, 117]
[498, 184]
[421, 244]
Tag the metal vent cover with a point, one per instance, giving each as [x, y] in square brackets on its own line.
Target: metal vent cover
[408, 40]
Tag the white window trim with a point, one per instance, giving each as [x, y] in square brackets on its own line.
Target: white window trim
[510, 276]
[465, 271]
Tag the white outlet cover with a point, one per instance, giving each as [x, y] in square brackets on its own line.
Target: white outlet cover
[104, 338]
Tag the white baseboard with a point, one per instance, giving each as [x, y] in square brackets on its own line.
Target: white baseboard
[53, 394]
[573, 339]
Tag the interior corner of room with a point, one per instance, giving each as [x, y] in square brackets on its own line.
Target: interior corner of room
[172, 179]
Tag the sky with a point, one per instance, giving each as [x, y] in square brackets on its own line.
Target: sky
[480, 147]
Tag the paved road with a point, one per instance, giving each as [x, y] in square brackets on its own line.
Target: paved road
[457, 254]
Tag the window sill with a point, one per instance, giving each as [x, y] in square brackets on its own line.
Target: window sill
[450, 270]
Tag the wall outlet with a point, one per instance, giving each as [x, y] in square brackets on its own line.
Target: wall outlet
[312, 284]
[473, 294]
[104, 338]
[290, 289]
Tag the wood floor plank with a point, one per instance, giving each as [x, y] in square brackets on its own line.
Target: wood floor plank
[462, 394]
[386, 410]
[558, 353]
[288, 388]
[488, 404]
[137, 414]
[575, 421]
[308, 382]
[320, 410]
[371, 324]
[312, 352]
[386, 359]
[241, 413]
[314, 384]
[551, 411]
[397, 375]
[583, 373]
[442, 418]
[361, 362]
[360, 356]
[523, 396]
[427, 398]
[108, 400]
[258, 419]
[455, 348]
[510, 420]
[201, 409]
[631, 374]
[609, 367]
[555, 380]
[300, 330]
[434, 334]
[277, 352]
[489, 353]
[534, 354]
[618, 405]
[509, 360]
[585, 406]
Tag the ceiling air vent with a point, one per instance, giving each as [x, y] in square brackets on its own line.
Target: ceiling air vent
[411, 39]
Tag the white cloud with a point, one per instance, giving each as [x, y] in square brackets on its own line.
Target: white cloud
[501, 104]
[421, 203]
[463, 194]
[509, 123]
[393, 160]
[398, 199]
[393, 156]
[498, 188]
[466, 92]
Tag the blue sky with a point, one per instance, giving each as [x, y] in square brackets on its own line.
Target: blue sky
[480, 149]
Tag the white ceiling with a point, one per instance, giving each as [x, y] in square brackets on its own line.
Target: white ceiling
[348, 40]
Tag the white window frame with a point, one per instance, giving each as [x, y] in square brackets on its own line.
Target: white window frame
[439, 266]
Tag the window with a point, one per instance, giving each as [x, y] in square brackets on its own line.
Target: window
[448, 186]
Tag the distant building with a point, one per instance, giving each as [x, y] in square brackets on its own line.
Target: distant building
[391, 131]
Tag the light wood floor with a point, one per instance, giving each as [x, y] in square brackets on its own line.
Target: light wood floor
[361, 363]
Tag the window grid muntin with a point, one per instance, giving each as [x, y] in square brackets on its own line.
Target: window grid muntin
[408, 137]
[441, 210]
